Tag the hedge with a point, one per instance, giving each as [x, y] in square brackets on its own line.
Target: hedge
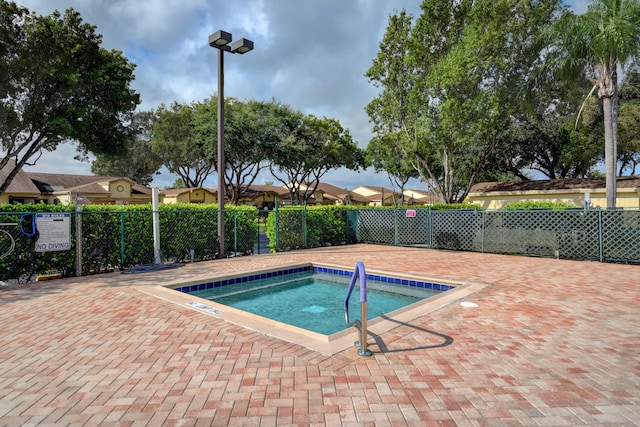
[295, 227]
[532, 204]
[118, 237]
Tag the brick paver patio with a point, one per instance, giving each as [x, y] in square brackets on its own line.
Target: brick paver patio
[551, 343]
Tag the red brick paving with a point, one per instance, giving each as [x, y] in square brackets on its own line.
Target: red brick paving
[553, 342]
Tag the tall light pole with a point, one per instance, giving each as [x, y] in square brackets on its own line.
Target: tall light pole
[220, 40]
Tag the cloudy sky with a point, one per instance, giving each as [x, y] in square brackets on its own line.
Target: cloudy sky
[309, 54]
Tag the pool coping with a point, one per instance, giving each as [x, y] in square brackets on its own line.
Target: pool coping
[326, 344]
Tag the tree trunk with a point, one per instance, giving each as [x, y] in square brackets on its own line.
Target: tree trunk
[609, 152]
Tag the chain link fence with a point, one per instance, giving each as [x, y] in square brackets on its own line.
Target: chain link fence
[117, 240]
[600, 235]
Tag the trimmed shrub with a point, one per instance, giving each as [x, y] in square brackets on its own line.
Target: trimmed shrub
[310, 226]
[531, 204]
[118, 237]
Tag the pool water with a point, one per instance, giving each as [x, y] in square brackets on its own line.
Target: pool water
[311, 301]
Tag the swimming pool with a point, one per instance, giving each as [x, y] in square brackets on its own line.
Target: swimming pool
[327, 344]
[311, 297]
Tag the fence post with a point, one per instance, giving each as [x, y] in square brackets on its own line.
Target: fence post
[277, 226]
[357, 225]
[235, 232]
[156, 226]
[601, 240]
[79, 240]
[346, 227]
[395, 225]
[122, 239]
[304, 226]
[430, 225]
[482, 226]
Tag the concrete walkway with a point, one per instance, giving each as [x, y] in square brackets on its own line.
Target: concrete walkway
[551, 343]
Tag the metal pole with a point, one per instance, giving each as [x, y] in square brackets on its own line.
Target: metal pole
[156, 226]
[235, 232]
[79, 240]
[221, 160]
[364, 351]
[122, 240]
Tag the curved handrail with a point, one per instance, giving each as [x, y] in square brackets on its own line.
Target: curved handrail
[360, 273]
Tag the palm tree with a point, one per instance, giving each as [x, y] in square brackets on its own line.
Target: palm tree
[600, 40]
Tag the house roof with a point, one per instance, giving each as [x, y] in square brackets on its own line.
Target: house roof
[52, 182]
[332, 192]
[421, 196]
[376, 193]
[21, 183]
[256, 190]
[60, 181]
[555, 184]
[378, 190]
[178, 191]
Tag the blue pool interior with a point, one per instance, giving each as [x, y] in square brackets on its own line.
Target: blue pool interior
[312, 297]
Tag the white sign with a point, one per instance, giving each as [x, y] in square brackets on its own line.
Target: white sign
[411, 213]
[54, 232]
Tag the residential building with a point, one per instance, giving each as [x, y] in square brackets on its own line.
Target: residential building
[48, 188]
[264, 196]
[420, 197]
[379, 196]
[188, 195]
[327, 194]
[576, 191]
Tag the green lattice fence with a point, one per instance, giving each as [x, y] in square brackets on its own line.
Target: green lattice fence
[414, 227]
[572, 234]
[455, 230]
[621, 236]
[376, 226]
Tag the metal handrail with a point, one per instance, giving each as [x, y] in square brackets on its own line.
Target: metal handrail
[359, 273]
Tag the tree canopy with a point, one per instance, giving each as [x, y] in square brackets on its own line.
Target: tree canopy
[452, 82]
[387, 156]
[629, 122]
[307, 148]
[59, 85]
[297, 149]
[182, 146]
[596, 43]
[138, 161]
[250, 132]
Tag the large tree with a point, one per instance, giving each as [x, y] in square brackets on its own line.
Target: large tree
[249, 134]
[629, 122]
[307, 148]
[138, 161]
[544, 136]
[59, 85]
[598, 42]
[388, 156]
[452, 81]
[183, 147]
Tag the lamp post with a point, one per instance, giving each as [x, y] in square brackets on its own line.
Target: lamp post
[220, 40]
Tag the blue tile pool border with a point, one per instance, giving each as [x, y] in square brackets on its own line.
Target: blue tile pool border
[411, 283]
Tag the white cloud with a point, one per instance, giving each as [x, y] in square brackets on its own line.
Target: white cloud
[309, 54]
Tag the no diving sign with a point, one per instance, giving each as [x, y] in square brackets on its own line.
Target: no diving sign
[54, 232]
